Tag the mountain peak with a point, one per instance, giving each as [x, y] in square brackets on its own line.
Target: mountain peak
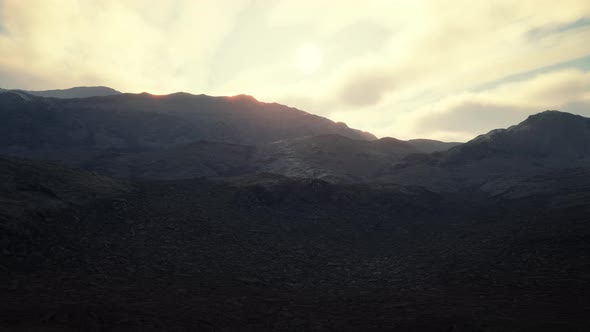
[553, 123]
[550, 134]
[243, 98]
[551, 115]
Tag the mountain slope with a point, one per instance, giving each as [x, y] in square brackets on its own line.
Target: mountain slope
[272, 253]
[39, 127]
[38, 203]
[545, 141]
[332, 157]
[567, 187]
[546, 135]
[429, 145]
[193, 160]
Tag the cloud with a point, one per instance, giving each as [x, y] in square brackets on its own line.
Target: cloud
[466, 115]
[439, 53]
[13, 77]
[554, 28]
[433, 46]
[131, 45]
[365, 89]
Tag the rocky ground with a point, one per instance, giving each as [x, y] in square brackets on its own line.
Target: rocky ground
[272, 253]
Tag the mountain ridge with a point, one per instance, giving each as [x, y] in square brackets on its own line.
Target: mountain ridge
[542, 142]
[131, 121]
[75, 92]
[173, 136]
[546, 134]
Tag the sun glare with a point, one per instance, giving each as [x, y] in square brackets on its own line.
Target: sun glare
[308, 59]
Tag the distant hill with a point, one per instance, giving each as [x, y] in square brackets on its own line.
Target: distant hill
[547, 135]
[77, 92]
[47, 127]
[181, 136]
[333, 158]
[544, 141]
[430, 145]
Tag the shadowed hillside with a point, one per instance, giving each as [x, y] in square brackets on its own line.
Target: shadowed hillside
[77, 92]
[35, 126]
[271, 253]
[546, 141]
[186, 212]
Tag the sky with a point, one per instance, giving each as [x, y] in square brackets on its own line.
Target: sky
[447, 70]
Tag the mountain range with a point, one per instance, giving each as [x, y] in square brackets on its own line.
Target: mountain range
[185, 212]
[76, 92]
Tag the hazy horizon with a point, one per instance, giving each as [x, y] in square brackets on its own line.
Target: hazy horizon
[428, 69]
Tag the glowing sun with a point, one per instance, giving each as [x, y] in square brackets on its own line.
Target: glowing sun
[308, 59]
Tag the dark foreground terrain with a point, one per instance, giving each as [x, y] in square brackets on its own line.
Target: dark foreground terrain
[84, 252]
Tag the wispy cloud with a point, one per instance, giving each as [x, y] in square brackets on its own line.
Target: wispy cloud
[463, 116]
[555, 28]
[131, 45]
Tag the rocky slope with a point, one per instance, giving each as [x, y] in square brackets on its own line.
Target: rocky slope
[550, 135]
[185, 136]
[332, 158]
[271, 253]
[429, 145]
[199, 159]
[35, 126]
[546, 141]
